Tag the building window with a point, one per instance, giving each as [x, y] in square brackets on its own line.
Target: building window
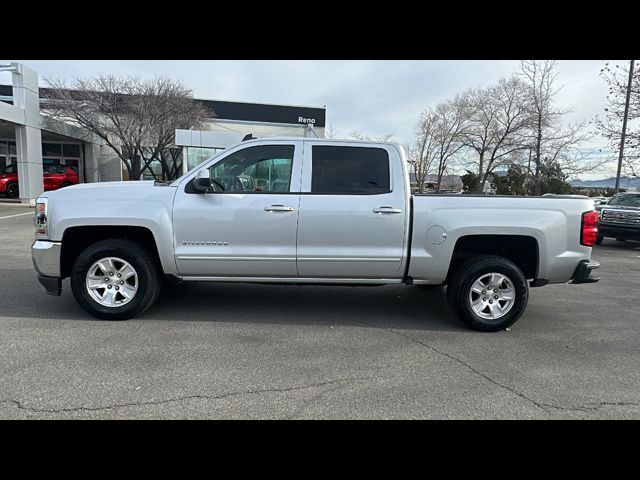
[74, 164]
[68, 154]
[7, 156]
[168, 167]
[71, 150]
[52, 150]
[349, 170]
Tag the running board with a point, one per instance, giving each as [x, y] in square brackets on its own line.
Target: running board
[334, 281]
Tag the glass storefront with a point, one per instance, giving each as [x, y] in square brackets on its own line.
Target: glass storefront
[53, 153]
[197, 155]
[7, 154]
[169, 169]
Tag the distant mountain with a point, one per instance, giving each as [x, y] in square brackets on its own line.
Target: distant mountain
[625, 182]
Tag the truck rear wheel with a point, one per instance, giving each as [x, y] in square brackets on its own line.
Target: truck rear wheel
[115, 279]
[488, 293]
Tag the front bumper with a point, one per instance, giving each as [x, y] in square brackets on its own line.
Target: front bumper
[584, 270]
[619, 231]
[46, 260]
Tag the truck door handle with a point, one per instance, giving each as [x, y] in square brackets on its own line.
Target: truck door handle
[278, 208]
[387, 210]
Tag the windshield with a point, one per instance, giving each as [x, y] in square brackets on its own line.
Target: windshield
[626, 200]
[8, 169]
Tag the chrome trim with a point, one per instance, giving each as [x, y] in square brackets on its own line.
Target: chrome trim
[46, 257]
[381, 210]
[620, 217]
[348, 259]
[372, 281]
[278, 208]
[214, 257]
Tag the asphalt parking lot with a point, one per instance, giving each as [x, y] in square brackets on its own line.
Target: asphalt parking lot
[244, 351]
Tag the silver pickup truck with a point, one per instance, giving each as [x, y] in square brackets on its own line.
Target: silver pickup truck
[308, 211]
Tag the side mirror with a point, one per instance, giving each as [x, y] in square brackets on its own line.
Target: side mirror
[202, 181]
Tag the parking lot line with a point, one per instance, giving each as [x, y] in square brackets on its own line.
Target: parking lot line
[16, 215]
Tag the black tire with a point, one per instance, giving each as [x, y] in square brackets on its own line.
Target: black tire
[599, 240]
[459, 287]
[12, 190]
[65, 184]
[140, 259]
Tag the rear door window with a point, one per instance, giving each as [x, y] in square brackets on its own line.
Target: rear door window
[349, 170]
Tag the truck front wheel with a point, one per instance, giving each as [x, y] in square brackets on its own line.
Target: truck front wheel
[488, 293]
[115, 279]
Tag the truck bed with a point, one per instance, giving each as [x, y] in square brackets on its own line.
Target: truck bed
[551, 223]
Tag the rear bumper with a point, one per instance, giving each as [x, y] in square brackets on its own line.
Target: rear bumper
[584, 272]
[611, 231]
[46, 260]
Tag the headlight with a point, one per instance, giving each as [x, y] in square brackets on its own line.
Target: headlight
[40, 220]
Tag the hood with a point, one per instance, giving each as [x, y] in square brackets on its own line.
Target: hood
[101, 190]
[619, 207]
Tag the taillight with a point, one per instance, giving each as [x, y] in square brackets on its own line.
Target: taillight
[589, 230]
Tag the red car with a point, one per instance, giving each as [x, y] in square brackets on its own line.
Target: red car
[55, 177]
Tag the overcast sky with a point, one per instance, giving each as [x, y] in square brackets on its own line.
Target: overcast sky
[373, 97]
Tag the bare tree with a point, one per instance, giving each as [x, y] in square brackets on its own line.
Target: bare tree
[452, 121]
[329, 132]
[422, 155]
[357, 135]
[500, 115]
[550, 143]
[610, 127]
[135, 118]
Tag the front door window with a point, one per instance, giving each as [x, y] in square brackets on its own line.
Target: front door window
[259, 169]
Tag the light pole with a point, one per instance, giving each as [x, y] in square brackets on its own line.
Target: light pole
[624, 125]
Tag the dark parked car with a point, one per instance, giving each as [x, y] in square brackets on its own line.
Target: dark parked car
[620, 217]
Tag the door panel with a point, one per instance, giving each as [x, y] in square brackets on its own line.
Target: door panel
[351, 235]
[238, 233]
[233, 235]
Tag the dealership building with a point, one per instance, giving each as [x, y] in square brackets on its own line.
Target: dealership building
[30, 138]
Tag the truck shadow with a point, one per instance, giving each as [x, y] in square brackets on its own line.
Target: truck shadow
[384, 307]
[613, 243]
[395, 306]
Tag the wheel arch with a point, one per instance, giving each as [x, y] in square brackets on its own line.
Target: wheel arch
[77, 239]
[522, 250]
